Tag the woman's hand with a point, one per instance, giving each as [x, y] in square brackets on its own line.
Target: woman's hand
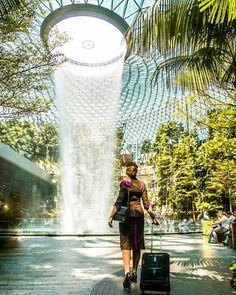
[155, 221]
[153, 217]
[110, 221]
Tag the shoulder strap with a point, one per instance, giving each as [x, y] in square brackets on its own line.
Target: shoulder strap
[128, 197]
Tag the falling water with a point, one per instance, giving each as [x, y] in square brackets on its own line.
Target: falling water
[87, 101]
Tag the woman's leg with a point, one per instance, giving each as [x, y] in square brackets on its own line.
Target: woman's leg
[136, 258]
[126, 260]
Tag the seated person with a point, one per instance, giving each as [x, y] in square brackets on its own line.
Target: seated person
[222, 225]
[231, 217]
[228, 239]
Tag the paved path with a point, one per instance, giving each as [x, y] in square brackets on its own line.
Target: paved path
[92, 265]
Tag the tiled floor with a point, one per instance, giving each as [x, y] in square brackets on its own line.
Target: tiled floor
[92, 265]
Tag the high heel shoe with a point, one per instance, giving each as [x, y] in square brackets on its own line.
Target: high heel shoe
[127, 283]
[133, 277]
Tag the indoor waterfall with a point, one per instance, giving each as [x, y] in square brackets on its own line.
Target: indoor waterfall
[87, 102]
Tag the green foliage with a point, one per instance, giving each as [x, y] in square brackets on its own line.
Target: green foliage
[117, 168]
[209, 207]
[194, 175]
[38, 144]
[168, 135]
[26, 64]
[52, 213]
[233, 266]
[47, 142]
[219, 10]
[146, 146]
[7, 6]
[186, 182]
[189, 41]
[222, 122]
[167, 139]
[218, 161]
[19, 136]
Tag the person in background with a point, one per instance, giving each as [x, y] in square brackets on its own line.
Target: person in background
[206, 216]
[228, 238]
[171, 225]
[231, 217]
[132, 231]
[222, 225]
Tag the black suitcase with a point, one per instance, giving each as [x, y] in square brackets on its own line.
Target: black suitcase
[155, 270]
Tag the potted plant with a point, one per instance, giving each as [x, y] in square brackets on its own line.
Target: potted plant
[233, 269]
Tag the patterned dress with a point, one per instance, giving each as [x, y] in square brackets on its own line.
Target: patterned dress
[132, 231]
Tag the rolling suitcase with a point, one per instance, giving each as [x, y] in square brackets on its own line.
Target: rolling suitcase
[155, 270]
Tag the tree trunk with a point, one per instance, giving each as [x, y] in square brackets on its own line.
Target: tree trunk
[230, 201]
[193, 208]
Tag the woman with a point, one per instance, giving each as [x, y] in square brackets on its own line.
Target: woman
[132, 231]
[222, 225]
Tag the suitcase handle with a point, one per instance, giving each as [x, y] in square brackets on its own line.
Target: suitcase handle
[152, 236]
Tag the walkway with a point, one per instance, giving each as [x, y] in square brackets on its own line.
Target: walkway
[92, 265]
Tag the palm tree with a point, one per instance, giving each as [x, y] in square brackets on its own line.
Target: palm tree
[219, 10]
[189, 38]
[7, 5]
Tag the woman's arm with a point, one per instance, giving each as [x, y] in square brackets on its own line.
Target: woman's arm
[216, 223]
[153, 217]
[219, 222]
[119, 201]
[113, 212]
[147, 205]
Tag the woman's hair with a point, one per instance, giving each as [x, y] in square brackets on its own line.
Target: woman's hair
[131, 164]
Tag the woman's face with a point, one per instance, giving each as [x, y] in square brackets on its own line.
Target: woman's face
[131, 171]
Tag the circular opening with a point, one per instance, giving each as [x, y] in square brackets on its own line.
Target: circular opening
[90, 40]
[95, 34]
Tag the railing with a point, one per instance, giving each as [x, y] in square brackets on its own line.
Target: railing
[54, 226]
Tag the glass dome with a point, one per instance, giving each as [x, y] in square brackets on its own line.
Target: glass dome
[143, 106]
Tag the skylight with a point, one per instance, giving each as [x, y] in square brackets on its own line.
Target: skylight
[91, 40]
